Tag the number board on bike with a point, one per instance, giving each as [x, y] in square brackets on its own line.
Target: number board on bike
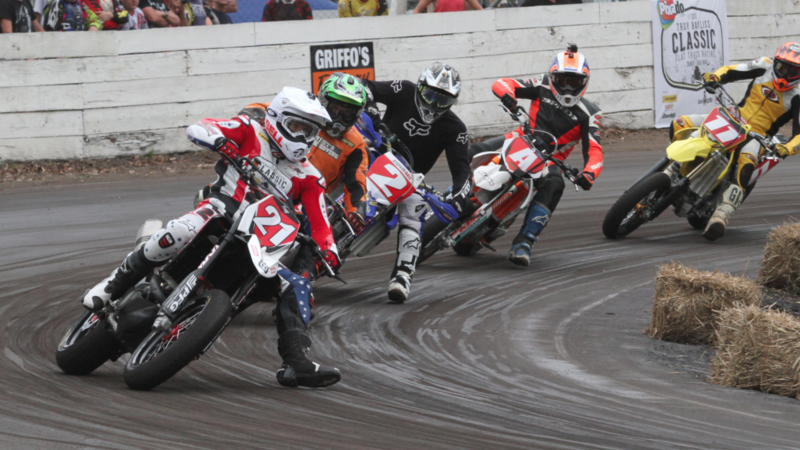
[518, 154]
[724, 128]
[388, 180]
[272, 226]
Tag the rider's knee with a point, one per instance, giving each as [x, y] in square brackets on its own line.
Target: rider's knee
[168, 241]
[747, 164]
[681, 123]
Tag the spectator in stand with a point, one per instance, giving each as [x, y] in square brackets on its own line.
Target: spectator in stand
[447, 5]
[549, 2]
[17, 16]
[136, 19]
[195, 13]
[70, 15]
[160, 14]
[109, 12]
[360, 8]
[215, 10]
[276, 10]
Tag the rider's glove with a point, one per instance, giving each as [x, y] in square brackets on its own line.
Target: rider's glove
[356, 218]
[585, 180]
[508, 101]
[459, 203]
[332, 259]
[225, 146]
[710, 78]
[783, 151]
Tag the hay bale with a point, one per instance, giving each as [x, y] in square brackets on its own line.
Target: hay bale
[687, 301]
[758, 349]
[780, 268]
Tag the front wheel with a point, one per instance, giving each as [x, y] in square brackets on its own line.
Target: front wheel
[628, 213]
[87, 345]
[162, 354]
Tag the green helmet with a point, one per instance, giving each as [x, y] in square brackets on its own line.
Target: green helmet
[344, 97]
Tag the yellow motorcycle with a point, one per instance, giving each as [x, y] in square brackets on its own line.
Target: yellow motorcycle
[694, 174]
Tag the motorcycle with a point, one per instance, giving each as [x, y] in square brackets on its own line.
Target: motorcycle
[117, 329]
[390, 180]
[692, 177]
[503, 188]
[261, 241]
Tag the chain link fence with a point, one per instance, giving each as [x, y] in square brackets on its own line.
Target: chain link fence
[250, 10]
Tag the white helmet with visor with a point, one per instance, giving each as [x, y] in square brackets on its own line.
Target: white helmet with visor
[293, 121]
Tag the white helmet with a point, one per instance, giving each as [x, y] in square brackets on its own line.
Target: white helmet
[569, 76]
[437, 91]
[294, 118]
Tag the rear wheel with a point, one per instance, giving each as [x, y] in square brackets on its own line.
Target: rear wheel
[628, 213]
[466, 248]
[162, 354]
[87, 345]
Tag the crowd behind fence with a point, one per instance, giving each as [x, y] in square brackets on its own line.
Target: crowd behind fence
[25, 16]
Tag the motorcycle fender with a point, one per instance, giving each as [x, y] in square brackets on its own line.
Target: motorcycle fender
[688, 150]
[185, 291]
[491, 177]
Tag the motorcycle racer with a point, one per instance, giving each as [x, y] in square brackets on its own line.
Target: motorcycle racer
[293, 121]
[557, 107]
[419, 114]
[339, 152]
[771, 101]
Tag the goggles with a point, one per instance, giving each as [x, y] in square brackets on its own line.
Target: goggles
[787, 71]
[300, 128]
[437, 99]
[569, 83]
[343, 111]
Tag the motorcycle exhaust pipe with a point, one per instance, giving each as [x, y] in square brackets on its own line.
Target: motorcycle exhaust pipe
[148, 228]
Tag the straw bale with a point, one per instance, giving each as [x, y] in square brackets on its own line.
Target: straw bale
[687, 301]
[758, 349]
[780, 268]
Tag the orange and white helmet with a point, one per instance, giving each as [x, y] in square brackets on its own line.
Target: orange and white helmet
[569, 76]
[786, 67]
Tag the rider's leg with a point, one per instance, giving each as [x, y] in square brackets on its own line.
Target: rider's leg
[734, 194]
[548, 194]
[293, 316]
[162, 246]
[489, 145]
[411, 210]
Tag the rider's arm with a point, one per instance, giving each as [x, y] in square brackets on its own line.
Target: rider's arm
[458, 162]
[516, 88]
[312, 197]
[592, 151]
[355, 178]
[737, 72]
[206, 132]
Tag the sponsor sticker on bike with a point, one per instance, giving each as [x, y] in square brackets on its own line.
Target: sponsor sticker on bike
[274, 175]
[519, 155]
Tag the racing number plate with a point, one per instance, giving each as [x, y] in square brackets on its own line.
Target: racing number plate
[389, 181]
[271, 225]
[519, 155]
[719, 125]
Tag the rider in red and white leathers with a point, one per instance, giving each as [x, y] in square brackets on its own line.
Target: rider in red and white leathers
[291, 126]
[557, 107]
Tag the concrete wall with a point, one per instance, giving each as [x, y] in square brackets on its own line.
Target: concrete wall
[109, 93]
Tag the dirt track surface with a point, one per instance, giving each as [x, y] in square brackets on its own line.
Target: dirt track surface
[483, 355]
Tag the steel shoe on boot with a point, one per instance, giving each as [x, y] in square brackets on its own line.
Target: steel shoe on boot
[718, 223]
[520, 253]
[297, 370]
[134, 268]
[399, 287]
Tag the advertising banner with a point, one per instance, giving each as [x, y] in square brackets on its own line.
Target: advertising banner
[690, 37]
[355, 58]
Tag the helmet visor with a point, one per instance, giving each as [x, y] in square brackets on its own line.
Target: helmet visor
[788, 72]
[343, 111]
[300, 128]
[435, 98]
[569, 83]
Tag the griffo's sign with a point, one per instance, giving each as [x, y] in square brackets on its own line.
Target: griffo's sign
[357, 59]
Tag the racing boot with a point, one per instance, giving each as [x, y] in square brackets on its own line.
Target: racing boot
[297, 369]
[134, 268]
[408, 243]
[717, 224]
[535, 221]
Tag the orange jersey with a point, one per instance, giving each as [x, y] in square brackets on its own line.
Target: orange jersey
[343, 159]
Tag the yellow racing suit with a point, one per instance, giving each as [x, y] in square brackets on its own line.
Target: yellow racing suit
[358, 8]
[764, 107]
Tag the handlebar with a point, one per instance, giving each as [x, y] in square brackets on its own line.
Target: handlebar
[391, 140]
